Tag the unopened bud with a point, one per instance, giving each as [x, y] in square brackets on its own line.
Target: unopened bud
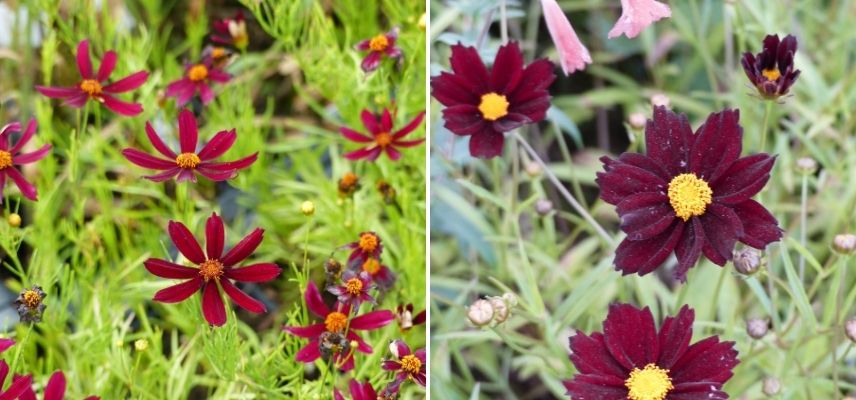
[747, 261]
[307, 208]
[543, 206]
[533, 170]
[500, 309]
[850, 329]
[14, 220]
[510, 299]
[636, 120]
[480, 313]
[771, 386]
[423, 22]
[757, 328]
[141, 344]
[660, 99]
[806, 165]
[844, 243]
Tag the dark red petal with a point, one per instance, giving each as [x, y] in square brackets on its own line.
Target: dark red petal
[401, 348]
[185, 242]
[466, 62]
[450, 89]
[5, 344]
[183, 90]
[76, 101]
[18, 388]
[170, 270]
[644, 256]
[231, 165]
[58, 92]
[314, 302]
[147, 160]
[697, 390]
[215, 235]
[392, 153]
[310, 331]
[262, 272]
[486, 144]
[108, 63]
[760, 228]
[372, 320]
[510, 122]
[507, 68]
[242, 299]
[187, 131]
[536, 78]
[748, 63]
[644, 215]
[309, 353]
[180, 292]
[27, 158]
[622, 179]
[244, 248]
[590, 387]
[631, 336]
[366, 152]
[219, 76]
[718, 143]
[216, 176]
[84, 64]
[746, 177]
[158, 144]
[25, 138]
[212, 305]
[410, 127]
[163, 176]
[55, 389]
[688, 249]
[205, 92]
[785, 52]
[464, 119]
[768, 55]
[675, 336]
[370, 122]
[354, 136]
[722, 228]
[362, 346]
[371, 61]
[535, 109]
[386, 121]
[706, 361]
[668, 140]
[26, 188]
[590, 356]
[363, 45]
[121, 107]
[128, 83]
[390, 365]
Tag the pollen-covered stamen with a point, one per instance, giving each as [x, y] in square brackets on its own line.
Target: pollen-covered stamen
[368, 242]
[91, 87]
[771, 74]
[336, 322]
[211, 269]
[411, 364]
[383, 139]
[354, 286]
[649, 383]
[689, 195]
[372, 266]
[493, 106]
[197, 73]
[32, 298]
[5, 159]
[187, 160]
[379, 43]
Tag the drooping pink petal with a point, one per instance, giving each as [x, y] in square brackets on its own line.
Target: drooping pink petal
[231, 165]
[261, 272]
[244, 248]
[159, 145]
[572, 53]
[108, 63]
[314, 302]
[242, 299]
[219, 144]
[185, 242]
[128, 83]
[55, 389]
[216, 176]
[180, 292]
[215, 235]
[636, 15]
[121, 107]
[26, 188]
[212, 305]
[84, 63]
[25, 138]
[26, 158]
[169, 270]
[58, 92]
[164, 176]
[188, 132]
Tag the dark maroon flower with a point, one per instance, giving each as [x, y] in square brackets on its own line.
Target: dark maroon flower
[10, 156]
[378, 47]
[354, 289]
[483, 104]
[197, 78]
[184, 166]
[359, 391]
[410, 365]
[93, 86]
[231, 31]
[772, 70]
[368, 246]
[632, 360]
[405, 318]
[691, 194]
[381, 275]
[383, 139]
[335, 321]
[54, 390]
[214, 270]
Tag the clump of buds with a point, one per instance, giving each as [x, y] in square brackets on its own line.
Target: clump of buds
[492, 310]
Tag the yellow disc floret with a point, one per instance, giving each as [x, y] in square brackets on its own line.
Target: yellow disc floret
[493, 106]
[354, 286]
[5, 159]
[411, 364]
[379, 43]
[211, 269]
[371, 265]
[187, 160]
[689, 195]
[91, 87]
[336, 322]
[31, 298]
[383, 139]
[771, 74]
[368, 242]
[197, 73]
[649, 383]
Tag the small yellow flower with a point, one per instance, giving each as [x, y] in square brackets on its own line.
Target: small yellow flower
[423, 22]
[307, 208]
[141, 344]
[14, 220]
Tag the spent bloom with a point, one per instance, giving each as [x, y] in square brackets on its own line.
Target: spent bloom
[409, 364]
[354, 289]
[632, 360]
[30, 304]
[54, 390]
[484, 104]
[381, 274]
[379, 46]
[94, 86]
[772, 70]
[383, 139]
[348, 184]
[406, 319]
[11, 156]
[690, 194]
[231, 31]
[197, 78]
[367, 246]
[573, 55]
[214, 270]
[185, 165]
[636, 15]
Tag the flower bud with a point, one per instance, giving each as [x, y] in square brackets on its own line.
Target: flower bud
[771, 386]
[14, 220]
[500, 309]
[757, 328]
[636, 120]
[533, 170]
[844, 243]
[480, 313]
[141, 344]
[806, 165]
[850, 329]
[543, 206]
[423, 22]
[510, 299]
[307, 208]
[747, 261]
[660, 99]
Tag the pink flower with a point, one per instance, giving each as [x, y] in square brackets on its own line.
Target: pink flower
[54, 390]
[10, 156]
[92, 86]
[197, 78]
[573, 54]
[636, 15]
[379, 46]
[382, 138]
[231, 31]
[359, 391]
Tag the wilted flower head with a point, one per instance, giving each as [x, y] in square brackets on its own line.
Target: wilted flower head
[333, 268]
[348, 184]
[367, 246]
[573, 55]
[382, 139]
[386, 191]
[93, 85]
[381, 275]
[30, 304]
[11, 156]
[772, 70]
[409, 365]
[636, 15]
[379, 46]
[405, 318]
[231, 31]
[197, 78]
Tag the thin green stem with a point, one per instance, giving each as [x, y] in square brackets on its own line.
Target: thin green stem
[767, 111]
[839, 299]
[503, 21]
[803, 222]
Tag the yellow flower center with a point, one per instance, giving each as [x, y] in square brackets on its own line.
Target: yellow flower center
[91, 87]
[348, 179]
[5, 159]
[371, 266]
[383, 139]
[649, 383]
[354, 286]
[217, 53]
[493, 106]
[411, 364]
[32, 298]
[198, 73]
[771, 74]
[379, 43]
[368, 242]
[187, 160]
[689, 195]
[211, 269]
[336, 322]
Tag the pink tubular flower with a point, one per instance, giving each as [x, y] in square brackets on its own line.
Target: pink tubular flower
[214, 270]
[636, 15]
[410, 365]
[92, 86]
[10, 156]
[197, 78]
[54, 390]
[359, 391]
[335, 322]
[383, 139]
[231, 31]
[184, 165]
[378, 47]
[572, 53]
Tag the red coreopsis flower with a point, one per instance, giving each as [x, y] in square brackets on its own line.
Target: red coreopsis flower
[381, 275]
[383, 139]
[359, 391]
[632, 360]
[380, 46]
[405, 318]
[354, 289]
[410, 365]
[197, 78]
[335, 322]
[93, 86]
[185, 165]
[214, 270]
[54, 390]
[772, 70]
[11, 156]
[18, 386]
[231, 31]
[691, 194]
[484, 104]
[368, 246]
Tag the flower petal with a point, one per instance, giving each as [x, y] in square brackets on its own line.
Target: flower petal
[631, 336]
[718, 143]
[466, 62]
[507, 68]
[370, 153]
[644, 215]
[26, 158]
[309, 353]
[371, 61]
[219, 144]
[410, 127]
[180, 292]
[58, 92]
[675, 336]
[242, 299]
[121, 107]
[708, 361]
[622, 179]
[386, 121]
[314, 302]
[261, 272]
[760, 228]
[644, 256]
[158, 143]
[486, 144]
[146, 160]
[84, 63]
[212, 305]
[722, 228]
[244, 248]
[572, 53]
[370, 121]
[215, 235]
[170, 270]
[26, 188]
[164, 176]
[354, 136]
[372, 320]
[464, 119]
[636, 15]
[688, 249]
[185, 242]
[32, 125]
[450, 89]
[231, 165]
[216, 176]
[55, 389]
[668, 140]
[746, 177]
[108, 63]
[188, 132]
[128, 83]
[310, 331]
[590, 356]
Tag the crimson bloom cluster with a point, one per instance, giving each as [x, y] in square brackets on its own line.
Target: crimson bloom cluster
[21, 386]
